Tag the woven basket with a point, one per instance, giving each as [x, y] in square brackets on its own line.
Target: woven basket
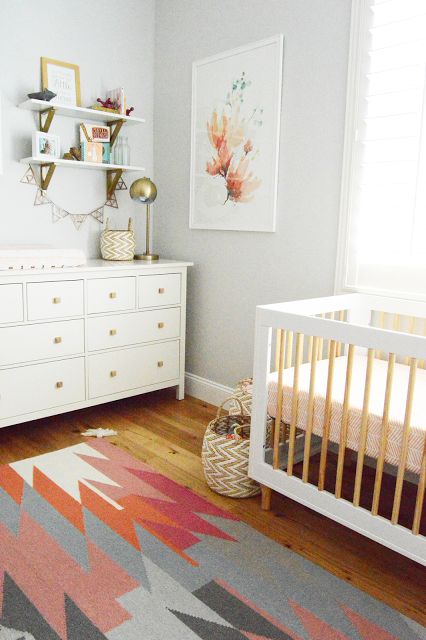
[119, 244]
[225, 455]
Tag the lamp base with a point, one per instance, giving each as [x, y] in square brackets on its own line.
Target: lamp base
[150, 257]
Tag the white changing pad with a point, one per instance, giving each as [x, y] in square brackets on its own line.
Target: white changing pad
[39, 256]
[396, 412]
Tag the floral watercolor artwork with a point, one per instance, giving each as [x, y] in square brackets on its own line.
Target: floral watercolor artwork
[235, 130]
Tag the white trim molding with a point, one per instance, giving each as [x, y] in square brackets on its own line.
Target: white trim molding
[206, 390]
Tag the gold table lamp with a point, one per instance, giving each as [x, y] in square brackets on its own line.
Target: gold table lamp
[145, 192]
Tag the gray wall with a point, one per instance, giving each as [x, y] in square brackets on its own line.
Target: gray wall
[113, 43]
[235, 271]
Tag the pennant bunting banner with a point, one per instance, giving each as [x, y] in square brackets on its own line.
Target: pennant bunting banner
[58, 213]
[112, 201]
[78, 219]
[41, 198]
[121, 185]
[29, 177]
[98, 214]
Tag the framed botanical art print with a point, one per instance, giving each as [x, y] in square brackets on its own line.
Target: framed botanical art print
[46, 146]
[236, 106]
[63, 78]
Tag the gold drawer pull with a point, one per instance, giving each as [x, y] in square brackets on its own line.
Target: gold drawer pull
[57, 340]
[59, 384]
[160, 325]
[160, 363]
[56, 301]
[113, 295]
[161, 290]
[113, 374]
[113, 332]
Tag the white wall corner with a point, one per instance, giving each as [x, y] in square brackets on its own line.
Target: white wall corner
[206, 390]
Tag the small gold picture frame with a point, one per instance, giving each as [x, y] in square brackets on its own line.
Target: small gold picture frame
[63, 78]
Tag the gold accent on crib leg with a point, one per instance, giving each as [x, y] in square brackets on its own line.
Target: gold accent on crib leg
[364, 429]
[404, 443]
[277, 348]
[327, 416]
[279, 409]
[310, 415]
[294, 403]
[420, 495]
[344, 425]
[289, 354]
[383, 437]
[265, 503]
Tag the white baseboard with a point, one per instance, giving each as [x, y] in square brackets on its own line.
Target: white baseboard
[207, 390]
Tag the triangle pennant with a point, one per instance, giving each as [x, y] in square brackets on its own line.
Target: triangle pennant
[78, 219]
[98, 214]
[121, 185]
[29, 177]
[41, 198]
[112, 201]
[58, 213]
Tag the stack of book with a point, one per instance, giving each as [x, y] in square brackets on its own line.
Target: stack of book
[95, 143]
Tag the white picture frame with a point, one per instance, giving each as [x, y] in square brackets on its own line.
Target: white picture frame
[235, 130]
[46, 146]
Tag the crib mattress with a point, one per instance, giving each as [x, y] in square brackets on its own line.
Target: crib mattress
[396, 413]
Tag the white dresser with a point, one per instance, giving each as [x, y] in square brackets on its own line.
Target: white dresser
[72, 338]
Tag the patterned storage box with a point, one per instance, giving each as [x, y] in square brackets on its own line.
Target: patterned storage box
[118, 244]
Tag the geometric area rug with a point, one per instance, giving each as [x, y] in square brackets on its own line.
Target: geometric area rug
[96, 545]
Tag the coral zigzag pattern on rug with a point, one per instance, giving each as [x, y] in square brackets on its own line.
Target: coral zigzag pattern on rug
[95, 544]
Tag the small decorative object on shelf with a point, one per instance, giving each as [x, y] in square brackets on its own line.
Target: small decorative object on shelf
[118, 244]
[64, 78]
[129, 111]
[45, 95]
[145, 192]
[106, 105]
[72, 154]
[46, 146]
[95, 143]
[118, 99]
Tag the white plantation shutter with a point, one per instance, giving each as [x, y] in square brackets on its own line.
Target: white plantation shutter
[383, 232]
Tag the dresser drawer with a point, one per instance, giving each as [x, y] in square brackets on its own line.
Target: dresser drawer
[61, 299]
[41, 386]
[131, 328]
[41, 341]
[157, 291]
[11, 307]
[111, 294]
[127, 369]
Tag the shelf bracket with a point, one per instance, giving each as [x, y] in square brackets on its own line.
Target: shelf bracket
[113, 176]
[115, 130]
[45, 178]
[49, 113]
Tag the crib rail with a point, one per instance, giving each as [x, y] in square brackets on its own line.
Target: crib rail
[309, 332]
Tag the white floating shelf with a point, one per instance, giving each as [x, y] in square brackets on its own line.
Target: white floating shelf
[78, 112]
[78, 164]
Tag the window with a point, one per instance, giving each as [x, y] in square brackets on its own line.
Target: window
[382, 245]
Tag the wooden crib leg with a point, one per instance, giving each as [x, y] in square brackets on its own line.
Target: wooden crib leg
[266, 498]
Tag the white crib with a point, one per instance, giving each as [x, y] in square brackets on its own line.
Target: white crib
[347, 391]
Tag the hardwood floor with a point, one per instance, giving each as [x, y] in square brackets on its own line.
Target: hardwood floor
[167, 434]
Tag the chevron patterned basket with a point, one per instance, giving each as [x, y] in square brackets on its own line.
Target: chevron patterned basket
[225, 455]
[118, 244]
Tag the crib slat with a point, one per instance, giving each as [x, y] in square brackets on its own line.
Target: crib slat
[384, 436]
[411, 325]
[404, 443]
[310, 414]
[289, 354]
[279, 408]
[381, 326]
[420, 495]
[294, 403]
[422, 363]
[321, 343]
[310, 347]
[345, 420]
[364, 429]
[341, 318]
[277, 349]
[327, 416]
